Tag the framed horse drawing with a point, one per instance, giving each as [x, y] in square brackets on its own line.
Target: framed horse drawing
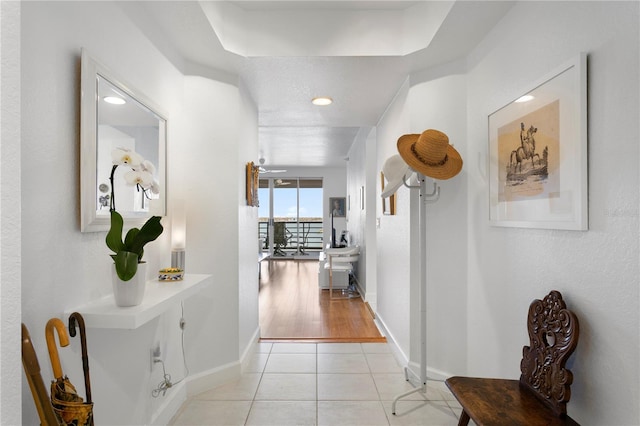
[538, 153]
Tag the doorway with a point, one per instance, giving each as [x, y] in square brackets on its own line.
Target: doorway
[290, 216]
[291, 304]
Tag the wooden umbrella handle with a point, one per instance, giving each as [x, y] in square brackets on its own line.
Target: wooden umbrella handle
[38, 389]
[76, 319]
[57, 324]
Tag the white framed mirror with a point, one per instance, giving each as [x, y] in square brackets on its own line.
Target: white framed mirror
[115, 117]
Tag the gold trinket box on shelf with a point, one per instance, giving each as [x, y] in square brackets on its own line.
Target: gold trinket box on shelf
[171, 274]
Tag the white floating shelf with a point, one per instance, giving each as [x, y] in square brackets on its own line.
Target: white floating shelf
[159, 296]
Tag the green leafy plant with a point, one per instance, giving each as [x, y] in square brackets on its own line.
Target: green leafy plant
[128, 252]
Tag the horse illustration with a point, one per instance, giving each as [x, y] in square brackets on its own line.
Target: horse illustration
[526, 150]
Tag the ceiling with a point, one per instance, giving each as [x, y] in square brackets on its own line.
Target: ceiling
[359, 53]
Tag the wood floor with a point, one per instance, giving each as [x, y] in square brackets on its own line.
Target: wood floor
[293, 308]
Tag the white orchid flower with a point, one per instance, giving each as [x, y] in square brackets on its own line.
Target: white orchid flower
[148, 166]
[139, 177]
[122, 156]
[155, 187]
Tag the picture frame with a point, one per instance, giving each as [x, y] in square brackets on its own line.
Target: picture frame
[252, 177]
[388, 208]
[101, 132]
[538, 153]
[337, 206]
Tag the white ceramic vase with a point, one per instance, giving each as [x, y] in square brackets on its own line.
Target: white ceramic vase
[129, 293]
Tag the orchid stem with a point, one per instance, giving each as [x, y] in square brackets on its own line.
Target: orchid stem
[144, 191]
[112, 206]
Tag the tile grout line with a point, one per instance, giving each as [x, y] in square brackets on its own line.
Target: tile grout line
[316, 375]
[381, 368]
[253, 400]
[377, 389]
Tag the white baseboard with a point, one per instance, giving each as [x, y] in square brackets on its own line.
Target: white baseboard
[176, 396]
[403, 359]
[201, 382]
[212, 378]
[371, 299]
[395, 348]
[194, 385]
[432, 373]
[245, 358]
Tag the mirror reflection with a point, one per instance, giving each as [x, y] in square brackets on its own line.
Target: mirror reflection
[124, 124]
[117, 119]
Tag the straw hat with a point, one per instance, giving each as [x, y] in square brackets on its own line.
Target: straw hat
[430, 154]
[395, 171]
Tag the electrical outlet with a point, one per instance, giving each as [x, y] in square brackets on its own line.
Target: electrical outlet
[155, 354]
[156, 350]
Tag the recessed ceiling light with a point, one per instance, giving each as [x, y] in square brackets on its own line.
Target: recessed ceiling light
[525, 98]
[322, 101]
[114, 100]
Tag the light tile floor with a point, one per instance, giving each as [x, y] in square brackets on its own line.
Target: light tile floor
[320, 384]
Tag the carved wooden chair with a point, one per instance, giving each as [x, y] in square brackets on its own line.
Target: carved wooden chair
[541, 395]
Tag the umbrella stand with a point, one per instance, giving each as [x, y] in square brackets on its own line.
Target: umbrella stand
[66, 402]
[76, 318]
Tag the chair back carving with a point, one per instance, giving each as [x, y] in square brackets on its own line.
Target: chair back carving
[553, 336]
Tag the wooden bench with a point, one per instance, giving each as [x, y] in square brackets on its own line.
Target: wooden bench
[541, 395]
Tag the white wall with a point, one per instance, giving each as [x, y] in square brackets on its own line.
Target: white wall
[208, 124]
[393, 247]
[63, 268]
[10, 213]
[247, 228]
[596, 271]
[367, 268]
[483, 278]
[437, 101]
[356, 179]
[207, 158]
[440, 103]
[361, 216]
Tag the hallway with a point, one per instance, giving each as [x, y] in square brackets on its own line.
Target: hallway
[320, 384]
[293, 308]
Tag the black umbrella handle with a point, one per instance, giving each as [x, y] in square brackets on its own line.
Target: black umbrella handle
[73, 319]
